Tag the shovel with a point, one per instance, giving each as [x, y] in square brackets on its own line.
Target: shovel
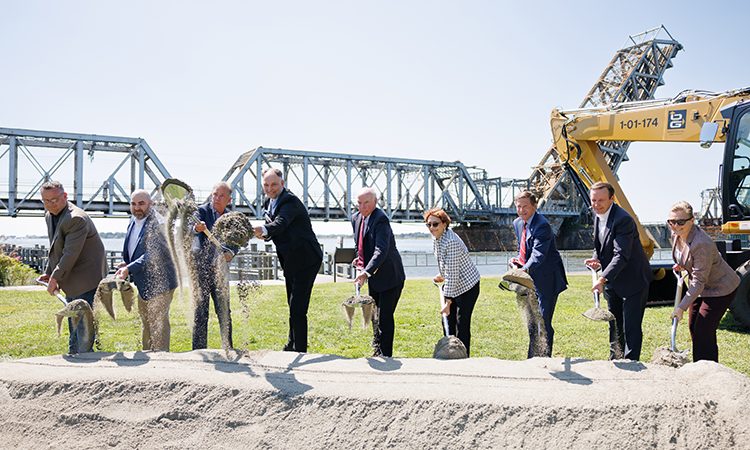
[357, 300]
[677, 299]
[671, 356]
[175, 193]
[597, 313]
[448, 347]
[57, 292]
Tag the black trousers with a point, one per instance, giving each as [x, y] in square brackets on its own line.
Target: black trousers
[459, 319]
[705, 314]
[386, 302]
[625, 332]
[298, 289]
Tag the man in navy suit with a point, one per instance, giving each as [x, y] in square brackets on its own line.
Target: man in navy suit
[149, 264]
[212, 267]
[538, 256]
[625, 275]
[288, 226]
[379, 264]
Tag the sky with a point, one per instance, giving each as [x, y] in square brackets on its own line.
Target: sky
[203, 82]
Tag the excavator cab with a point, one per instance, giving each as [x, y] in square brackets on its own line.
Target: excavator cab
[736, 171]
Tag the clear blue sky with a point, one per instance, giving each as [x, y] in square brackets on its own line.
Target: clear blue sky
[203, 82]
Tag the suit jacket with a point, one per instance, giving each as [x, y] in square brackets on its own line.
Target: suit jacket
[543, 261]
[76, 254]
[151, 267]
[710, 275]
[382, 260]
[207, 250]
[289, 227]
[624, 263]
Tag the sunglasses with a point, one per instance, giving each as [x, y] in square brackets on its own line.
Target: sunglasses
[432, 224]
[679, 222]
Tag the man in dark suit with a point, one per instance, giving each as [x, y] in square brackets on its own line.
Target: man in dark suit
[212, 267]
[146, 259]
[77, 262]
[379, 264]
[625, 275]
[538, 256]
[288, 226]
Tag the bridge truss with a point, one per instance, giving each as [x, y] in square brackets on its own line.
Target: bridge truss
[633, 74]
[327, 183]
[30, 158]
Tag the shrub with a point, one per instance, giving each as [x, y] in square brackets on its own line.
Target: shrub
[14, 272]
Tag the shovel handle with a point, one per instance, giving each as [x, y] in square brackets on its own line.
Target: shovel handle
[446, 328]
[673, 335]
[680, 284]
[212, 238]
[594, 279]
[57, 292]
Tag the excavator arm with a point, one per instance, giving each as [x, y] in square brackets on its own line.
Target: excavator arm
[689, 117]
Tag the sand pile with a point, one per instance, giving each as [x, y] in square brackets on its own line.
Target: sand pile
[287, 400]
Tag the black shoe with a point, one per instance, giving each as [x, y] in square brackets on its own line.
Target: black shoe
[288, 348]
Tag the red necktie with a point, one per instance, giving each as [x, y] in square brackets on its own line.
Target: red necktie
[360, 241]
[522, 252]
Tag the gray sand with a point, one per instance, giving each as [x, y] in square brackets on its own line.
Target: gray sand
[290, 400]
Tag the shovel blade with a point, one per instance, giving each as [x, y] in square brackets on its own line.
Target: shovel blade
[599, 315]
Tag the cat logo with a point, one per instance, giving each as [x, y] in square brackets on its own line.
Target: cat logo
[677, 119]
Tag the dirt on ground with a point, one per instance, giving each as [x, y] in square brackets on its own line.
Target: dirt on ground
[209, 399]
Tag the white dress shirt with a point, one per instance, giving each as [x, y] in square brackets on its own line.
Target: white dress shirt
[135, 232]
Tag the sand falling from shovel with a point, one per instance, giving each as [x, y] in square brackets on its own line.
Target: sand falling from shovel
[231, 228]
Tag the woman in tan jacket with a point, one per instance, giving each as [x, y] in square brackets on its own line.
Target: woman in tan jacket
[712, 283]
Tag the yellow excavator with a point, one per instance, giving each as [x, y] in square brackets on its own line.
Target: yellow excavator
[691, 116]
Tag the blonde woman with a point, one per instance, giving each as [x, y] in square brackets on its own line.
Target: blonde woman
[712, 283]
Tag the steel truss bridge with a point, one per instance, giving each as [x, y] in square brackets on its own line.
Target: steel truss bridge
[633, 74]
[30, 158]
[327, 182]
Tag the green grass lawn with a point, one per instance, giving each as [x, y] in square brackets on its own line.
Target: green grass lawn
[27, 325]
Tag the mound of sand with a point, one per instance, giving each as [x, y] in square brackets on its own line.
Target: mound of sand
[288, 400]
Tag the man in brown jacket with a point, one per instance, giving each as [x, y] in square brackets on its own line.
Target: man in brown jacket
[76, 261]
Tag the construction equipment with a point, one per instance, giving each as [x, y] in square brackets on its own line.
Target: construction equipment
[691, 116]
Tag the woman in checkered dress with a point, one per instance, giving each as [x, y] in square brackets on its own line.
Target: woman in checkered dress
[458, 274]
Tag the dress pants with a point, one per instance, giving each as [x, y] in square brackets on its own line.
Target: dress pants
[705, 315]
[547, 309]
[459, 319]
[298, 289]
[625, 332]
[73, 339]
[154, 314]
[386, 302]
[213, 282]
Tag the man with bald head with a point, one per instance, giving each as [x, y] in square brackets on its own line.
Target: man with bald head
[288, 226]
[212, 267]
[149, 264]
[379, 264]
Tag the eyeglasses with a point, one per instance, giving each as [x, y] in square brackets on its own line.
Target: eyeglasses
[678, 222]
[432, 224]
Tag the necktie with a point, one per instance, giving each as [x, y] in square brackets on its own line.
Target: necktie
[360, 242]
[522, 252]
